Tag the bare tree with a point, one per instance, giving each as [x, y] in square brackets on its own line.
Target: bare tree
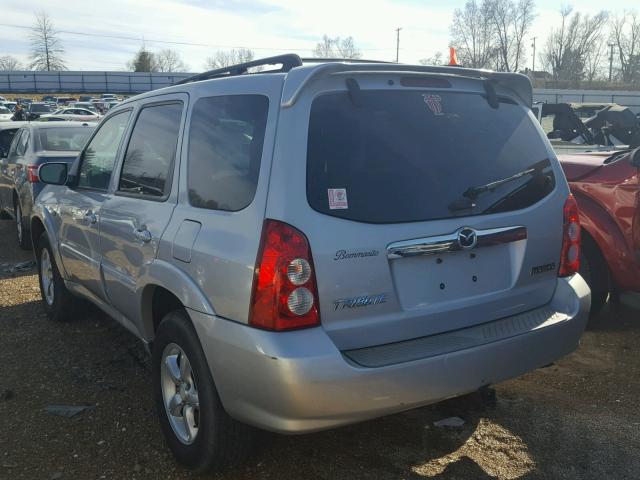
[46, 47]
[225, 58]
[324, 48]
[510, 21]
[9, 63]
[594, 61]
[568, 46]
[168, 60]
[626, 36]
[472, 34]
[437, 59]
[336, 48]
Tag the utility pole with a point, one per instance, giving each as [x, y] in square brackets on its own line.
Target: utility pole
[533, 45]
[398, 44]
[611, 45]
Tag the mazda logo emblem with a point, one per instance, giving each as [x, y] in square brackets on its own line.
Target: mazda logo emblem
[467, 238]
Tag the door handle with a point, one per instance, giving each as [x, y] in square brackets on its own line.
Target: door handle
[90, 217]
[142, 234]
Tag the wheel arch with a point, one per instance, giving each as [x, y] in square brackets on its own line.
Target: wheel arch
[166, 288]
[605, 233]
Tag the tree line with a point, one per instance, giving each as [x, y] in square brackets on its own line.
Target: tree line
[495, 34]
[491, 34]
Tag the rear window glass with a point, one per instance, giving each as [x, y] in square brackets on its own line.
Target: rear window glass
[64, 139]
[406, 156]
[6, 136]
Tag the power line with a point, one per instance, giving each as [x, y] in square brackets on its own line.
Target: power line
[167, 42]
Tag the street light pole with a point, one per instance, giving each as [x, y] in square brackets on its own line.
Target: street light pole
[398, 44]
[533, 69]
[611, 45]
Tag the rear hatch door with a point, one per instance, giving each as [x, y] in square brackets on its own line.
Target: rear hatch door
[427, 210]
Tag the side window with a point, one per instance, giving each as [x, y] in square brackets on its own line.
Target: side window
[21, 147]
[99, 156]
[225, 149]
[14, 145]
[148, 164]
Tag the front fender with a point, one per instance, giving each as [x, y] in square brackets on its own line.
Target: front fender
[163, 274]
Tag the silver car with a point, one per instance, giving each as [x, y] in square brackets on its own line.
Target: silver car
[318, 244]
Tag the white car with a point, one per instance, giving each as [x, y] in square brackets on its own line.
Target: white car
[73, 114]
[5, 114]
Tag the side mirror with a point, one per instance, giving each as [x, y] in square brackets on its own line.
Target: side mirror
[53, 173]
[635, 158]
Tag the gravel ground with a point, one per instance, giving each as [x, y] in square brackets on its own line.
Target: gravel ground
[578, 419]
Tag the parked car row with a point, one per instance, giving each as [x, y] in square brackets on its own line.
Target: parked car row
[302, 248]
[32, 145]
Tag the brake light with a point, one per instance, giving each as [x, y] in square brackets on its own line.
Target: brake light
[285, 294]
[32, 173]
[570, 257]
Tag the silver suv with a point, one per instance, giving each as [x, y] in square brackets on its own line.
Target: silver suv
[318, 244]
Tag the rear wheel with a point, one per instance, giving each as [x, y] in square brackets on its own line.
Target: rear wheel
[58, 302]
[197, 429]
[593, 269]
[24, 241]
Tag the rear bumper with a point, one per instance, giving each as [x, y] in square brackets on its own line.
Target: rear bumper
[298, 382]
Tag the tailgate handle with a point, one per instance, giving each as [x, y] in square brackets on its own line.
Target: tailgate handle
[461, 239]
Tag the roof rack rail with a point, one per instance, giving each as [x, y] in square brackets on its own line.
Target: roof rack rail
[335, 60]
[287, 61]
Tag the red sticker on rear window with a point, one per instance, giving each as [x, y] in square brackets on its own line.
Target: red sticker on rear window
[434, 102]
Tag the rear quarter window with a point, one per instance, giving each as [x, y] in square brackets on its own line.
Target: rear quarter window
[413, 155]
[226, 138]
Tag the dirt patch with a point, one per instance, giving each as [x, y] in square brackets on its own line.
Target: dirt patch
[577, 419]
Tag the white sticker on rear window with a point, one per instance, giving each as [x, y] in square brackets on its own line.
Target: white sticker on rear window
[337, 198]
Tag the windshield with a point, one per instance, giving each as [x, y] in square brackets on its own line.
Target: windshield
[39, 108]
[406, 156]
[4, 110]
[64, 139]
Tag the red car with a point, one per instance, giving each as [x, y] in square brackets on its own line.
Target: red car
[607, 189]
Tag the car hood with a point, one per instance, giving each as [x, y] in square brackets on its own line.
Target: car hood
[580, 165]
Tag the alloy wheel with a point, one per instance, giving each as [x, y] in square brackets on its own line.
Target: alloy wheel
[46, 275]
[180, 393]
[19, 222]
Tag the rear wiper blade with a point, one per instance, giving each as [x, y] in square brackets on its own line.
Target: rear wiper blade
[473, 192]
[467, 200]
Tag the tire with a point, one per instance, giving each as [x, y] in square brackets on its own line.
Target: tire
[59, 304]
[595, 272]
[217, 441]
[24, 239]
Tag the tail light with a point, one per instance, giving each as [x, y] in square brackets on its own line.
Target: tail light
[285, 293]
[32, 173]
[570, 257]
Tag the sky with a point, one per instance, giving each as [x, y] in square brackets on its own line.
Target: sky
[268, 27]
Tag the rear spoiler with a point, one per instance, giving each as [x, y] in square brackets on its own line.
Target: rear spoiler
[299, 78]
